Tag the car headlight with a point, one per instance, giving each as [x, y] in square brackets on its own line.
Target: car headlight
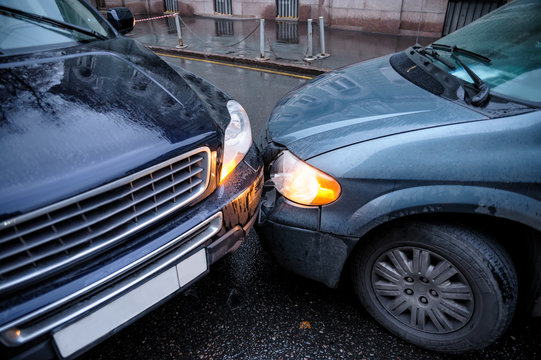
[302, 183]
[238, 138]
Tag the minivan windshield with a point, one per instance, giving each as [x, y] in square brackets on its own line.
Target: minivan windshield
[511, 38]
[19, 32]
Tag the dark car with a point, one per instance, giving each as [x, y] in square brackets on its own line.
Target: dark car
[121, 179]
[420, 173]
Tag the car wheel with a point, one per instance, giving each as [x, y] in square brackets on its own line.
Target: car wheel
[439, 286]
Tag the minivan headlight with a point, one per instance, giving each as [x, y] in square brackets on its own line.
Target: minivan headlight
[302, 183]
[238, 138]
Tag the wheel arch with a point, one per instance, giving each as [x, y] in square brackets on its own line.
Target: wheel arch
[446, 199]
[506, 216]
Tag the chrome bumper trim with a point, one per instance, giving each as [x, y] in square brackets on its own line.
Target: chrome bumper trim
[13, 334]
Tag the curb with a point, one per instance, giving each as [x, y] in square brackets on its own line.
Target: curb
[269, 64]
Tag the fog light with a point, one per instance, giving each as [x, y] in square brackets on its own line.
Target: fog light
[12, 335]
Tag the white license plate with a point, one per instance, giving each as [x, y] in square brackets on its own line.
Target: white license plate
[85, 331]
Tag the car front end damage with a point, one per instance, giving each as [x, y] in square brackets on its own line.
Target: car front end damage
[76, 307]
[123, 180]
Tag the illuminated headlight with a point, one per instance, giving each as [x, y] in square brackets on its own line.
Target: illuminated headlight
[302, 183]
[238, 138]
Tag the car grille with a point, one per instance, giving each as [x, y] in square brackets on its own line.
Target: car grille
[35, 244]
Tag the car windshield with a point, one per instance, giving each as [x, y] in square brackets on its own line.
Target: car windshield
[18, 31]
[511, 38]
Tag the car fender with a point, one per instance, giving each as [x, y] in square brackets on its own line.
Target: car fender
[472, 200]
[490, 167]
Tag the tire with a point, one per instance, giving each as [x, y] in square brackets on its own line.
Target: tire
[439, 286]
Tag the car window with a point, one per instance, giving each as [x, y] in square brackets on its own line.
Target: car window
[19, 32]
[511, 38]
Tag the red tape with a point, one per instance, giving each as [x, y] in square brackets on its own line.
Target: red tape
[154, 18]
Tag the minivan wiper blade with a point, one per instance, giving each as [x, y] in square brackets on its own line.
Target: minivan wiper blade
[433, 53]
[458, 50]
[43, 19]
[483, 90]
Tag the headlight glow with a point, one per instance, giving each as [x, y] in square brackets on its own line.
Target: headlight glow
[302, 183]
[237, 138]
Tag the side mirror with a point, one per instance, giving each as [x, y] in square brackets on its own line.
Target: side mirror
[122, 19]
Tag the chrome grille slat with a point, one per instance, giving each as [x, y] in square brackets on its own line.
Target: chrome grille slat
[140, 183]
[100, 216]
[63, 233]
[95, 203]
[58, 219]
[31, 244]
[165, 187]
[104, 229]
[39, 255]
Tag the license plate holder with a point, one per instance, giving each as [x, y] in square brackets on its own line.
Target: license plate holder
[87, 330]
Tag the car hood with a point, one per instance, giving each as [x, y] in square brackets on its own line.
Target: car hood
[75, 119]
[355, 104]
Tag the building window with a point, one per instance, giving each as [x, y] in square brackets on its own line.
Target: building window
[223, 7]
[287, 9]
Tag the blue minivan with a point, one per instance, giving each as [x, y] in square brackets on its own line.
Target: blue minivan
[418, 175]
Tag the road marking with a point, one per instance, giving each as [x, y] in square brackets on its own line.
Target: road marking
[237, 66]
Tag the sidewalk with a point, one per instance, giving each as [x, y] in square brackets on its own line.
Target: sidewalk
[237, 40]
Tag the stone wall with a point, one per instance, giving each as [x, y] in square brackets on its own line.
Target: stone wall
[404, 17]
[139, 7]
[426, 15]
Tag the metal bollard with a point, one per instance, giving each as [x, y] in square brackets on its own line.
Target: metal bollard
[180, 43]
[262, 40]
[322, 54]
[310, 56]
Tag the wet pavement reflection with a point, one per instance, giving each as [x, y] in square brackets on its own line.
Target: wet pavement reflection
[285, 41]
[249, 308]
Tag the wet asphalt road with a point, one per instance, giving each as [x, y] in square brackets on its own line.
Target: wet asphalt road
[249, 308]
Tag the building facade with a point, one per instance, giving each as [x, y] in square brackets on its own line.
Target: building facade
[430, 18]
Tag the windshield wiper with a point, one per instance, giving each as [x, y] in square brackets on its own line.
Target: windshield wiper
[458, 50]
[43, 19]
[483, 90]
[433, 53]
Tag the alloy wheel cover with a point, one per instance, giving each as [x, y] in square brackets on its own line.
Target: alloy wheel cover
[422, 290]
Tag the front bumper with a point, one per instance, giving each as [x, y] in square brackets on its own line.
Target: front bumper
[67, 317]
[292, 235]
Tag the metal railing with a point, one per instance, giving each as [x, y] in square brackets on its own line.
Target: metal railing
[287, 32]
[171, 27]
[223, 7]
[171, 5]
[287, 9]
